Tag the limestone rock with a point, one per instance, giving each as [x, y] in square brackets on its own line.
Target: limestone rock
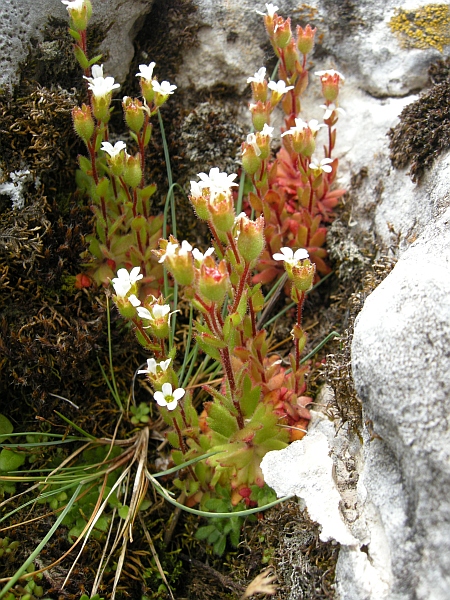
[304, 469]
[401, 365]
[23, 20]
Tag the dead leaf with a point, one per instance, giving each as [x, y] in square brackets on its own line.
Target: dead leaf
[262, 584]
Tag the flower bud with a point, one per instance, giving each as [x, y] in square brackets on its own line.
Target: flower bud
[263, 140]
[330, 84]
[270, 18]
[309, 143]
[260, 115]
[181, 264]
[291, 58]
[250, 241]
[134, 114]
[305, 39]
[251, 160]
[80, 12]
[259, 85]
[132, 173]
[127, 305]
[282, 32]
[214, 281]
[302, 275]
[147, 90]
[221, 209]
[146, 75]
[100, 107]
[199, 201]
[83, 122]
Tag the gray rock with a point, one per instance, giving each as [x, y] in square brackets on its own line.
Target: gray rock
[401, 366]
[23, 20]
[356, 36]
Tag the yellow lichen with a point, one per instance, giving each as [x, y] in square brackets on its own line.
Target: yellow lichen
[425, 27]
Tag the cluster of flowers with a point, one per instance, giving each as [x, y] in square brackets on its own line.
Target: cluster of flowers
[292, 191]
[126, 231]
[291, 198]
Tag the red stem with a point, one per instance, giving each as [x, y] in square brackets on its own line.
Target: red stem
[254, 332]
[330, 147]
[297, 342]
[226, 361]
[240, 290]
[233, 248]
[216, 237]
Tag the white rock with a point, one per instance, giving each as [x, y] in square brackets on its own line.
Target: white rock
[304, 469]
[401, 366]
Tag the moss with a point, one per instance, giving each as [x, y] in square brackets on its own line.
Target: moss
[36, 131]
[167, 32]
[288, 540]
[425, 27]
[345, 404]
[423, 132]
[439, 72]
[51, 61]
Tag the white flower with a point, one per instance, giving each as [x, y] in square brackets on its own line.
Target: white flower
[146, 71]
[314, 125]
[200, 256]
[271, 10]
[291, 257]
[258, 77]
[134, 300]
[158, 311]
[251, 141]
[113, 150]
[73, 4]
[330, 109]
[144, 313]
[102, 86]
[196, 189]
[216, 181]
[169, 251]
[152, 366]
[324, 165]
[185, 248]
[97, 72]
[329, 73]
[280, 87]
[164, 88]
[167, 397]
[240, 216]
[267, 130]
[300, 126]
[124, 280]
[164, 364]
